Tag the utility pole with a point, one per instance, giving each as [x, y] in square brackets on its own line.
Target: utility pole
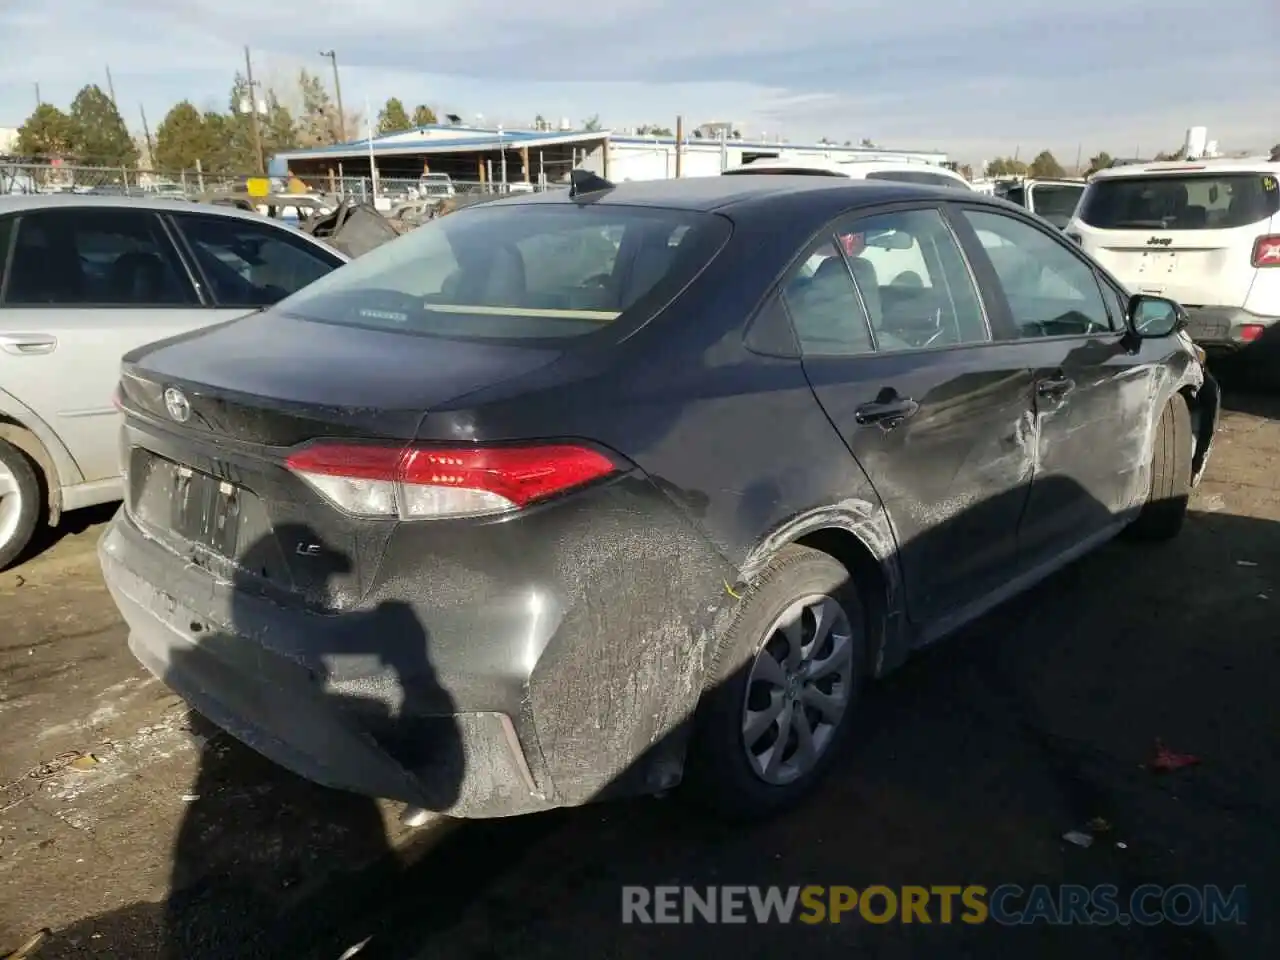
[111, 89]
[332, 57]
[39, 100]
[679, 146]
[253, 114]
[146, 132]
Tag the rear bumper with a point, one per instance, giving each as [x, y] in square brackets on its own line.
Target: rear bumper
[499, 704]
[1220, 330]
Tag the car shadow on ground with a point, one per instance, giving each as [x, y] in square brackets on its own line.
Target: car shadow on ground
[1253, 402]
[967, 766]
[267, 864]
[72, 524]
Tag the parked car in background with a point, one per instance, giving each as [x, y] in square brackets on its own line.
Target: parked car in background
[613, 486]
[1055, 200]
[1206, 233]
[436, 186]
[84, 280]
[896, 171]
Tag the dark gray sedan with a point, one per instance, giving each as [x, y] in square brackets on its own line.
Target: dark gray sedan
[583, 494]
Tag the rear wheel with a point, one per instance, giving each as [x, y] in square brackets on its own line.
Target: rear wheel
[1170, 491]
[19, 502]
[782, 689]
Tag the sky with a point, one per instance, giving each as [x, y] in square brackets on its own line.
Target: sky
[977, 78]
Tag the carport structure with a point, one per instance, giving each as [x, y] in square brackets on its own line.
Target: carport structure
[466, 154]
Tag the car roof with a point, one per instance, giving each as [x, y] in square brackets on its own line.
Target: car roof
[739, 193]
[23, 202]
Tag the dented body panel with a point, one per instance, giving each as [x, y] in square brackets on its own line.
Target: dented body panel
[483, 667]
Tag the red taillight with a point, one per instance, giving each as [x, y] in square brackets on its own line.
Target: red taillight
[418, 482]
[1250, 332]
[1266, 251]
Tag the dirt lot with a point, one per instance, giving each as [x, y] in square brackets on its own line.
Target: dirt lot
[170, 839]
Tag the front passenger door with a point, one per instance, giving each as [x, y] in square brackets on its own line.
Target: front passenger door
[934, 412]
[1091, 393]
[85, 286]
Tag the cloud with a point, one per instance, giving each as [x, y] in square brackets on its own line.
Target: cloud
[974, 78]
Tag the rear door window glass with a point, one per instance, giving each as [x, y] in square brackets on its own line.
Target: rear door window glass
[250, 264]
[96, 257]
[914, 281]
[1192, 201]
[538, 270]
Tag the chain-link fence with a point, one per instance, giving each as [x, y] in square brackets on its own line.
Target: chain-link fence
[48, 178]
[68, 178]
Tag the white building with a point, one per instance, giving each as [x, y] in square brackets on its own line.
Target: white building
[502, 156]
[8, 140]
[654, 158]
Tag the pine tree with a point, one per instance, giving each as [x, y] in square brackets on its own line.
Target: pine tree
[393, 118]
[47, 133]
[101, 138]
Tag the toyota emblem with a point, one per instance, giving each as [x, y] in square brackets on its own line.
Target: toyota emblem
[176, 402]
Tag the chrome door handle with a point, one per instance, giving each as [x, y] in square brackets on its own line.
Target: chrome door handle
[26, 344]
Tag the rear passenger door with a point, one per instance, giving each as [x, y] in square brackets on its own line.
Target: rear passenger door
[935, 413]
[85, 286]
[1091, 393]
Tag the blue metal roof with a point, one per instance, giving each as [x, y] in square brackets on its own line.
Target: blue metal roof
[389, 144]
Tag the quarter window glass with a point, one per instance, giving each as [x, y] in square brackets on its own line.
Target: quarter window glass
[251, 265]
[824, 306]
[98, 257]
[1118, 304]
[913, 280]
[1051, 291]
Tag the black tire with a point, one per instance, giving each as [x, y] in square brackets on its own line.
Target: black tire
[19, 467]
[718, 776]
[1170, 492]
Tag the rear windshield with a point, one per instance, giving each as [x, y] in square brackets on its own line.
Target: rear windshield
[1195, 201]
[785, 171]
[919, 176]
[529, 270]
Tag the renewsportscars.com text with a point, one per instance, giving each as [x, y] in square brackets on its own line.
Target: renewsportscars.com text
[1007, 904]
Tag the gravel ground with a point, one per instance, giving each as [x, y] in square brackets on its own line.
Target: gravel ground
[128, 828]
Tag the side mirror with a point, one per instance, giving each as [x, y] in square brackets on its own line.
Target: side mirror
[1155, 316]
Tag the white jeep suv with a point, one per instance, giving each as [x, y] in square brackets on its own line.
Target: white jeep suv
[1205, 233]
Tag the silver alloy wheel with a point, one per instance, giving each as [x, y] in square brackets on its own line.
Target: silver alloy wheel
[798, 689]
[10, 505]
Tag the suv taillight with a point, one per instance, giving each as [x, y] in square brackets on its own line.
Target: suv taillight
[423, 483]
[1266, 251]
